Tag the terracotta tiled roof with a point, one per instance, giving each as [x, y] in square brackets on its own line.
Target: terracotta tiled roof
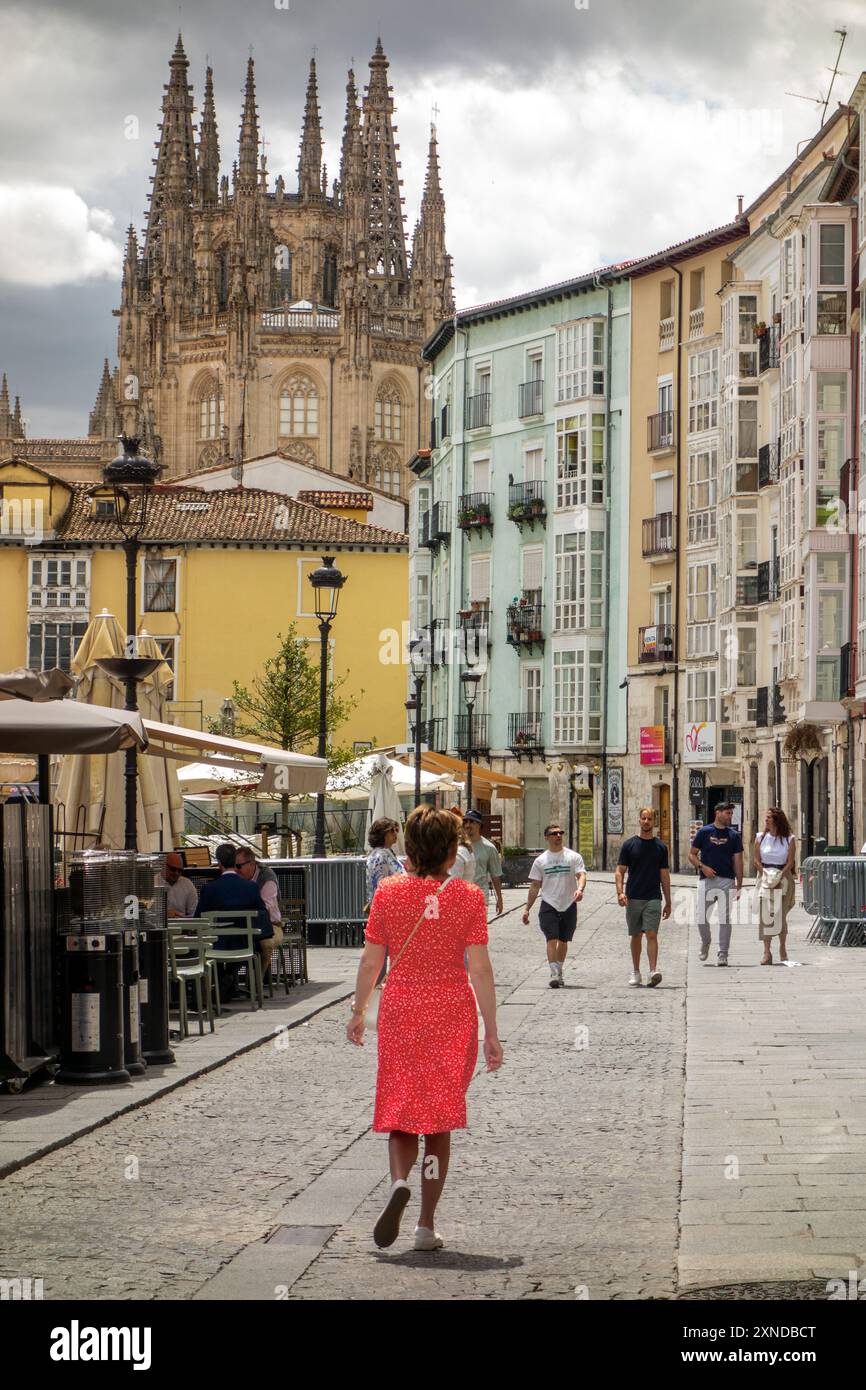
[241, 514]
[321, 497]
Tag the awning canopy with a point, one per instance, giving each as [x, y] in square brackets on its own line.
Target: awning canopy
[485, 782]
[22, 684]
[65, 726]
[280, 771]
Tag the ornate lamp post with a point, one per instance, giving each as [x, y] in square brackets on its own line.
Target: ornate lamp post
[418, 664]
[469, 681]
[327, 581]
[132, 478]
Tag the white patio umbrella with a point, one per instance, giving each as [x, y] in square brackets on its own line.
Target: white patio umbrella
[384, 798]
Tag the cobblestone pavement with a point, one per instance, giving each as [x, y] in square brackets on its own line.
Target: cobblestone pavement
[262, 1176]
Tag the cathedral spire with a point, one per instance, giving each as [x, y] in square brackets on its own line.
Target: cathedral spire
[310, 162]
[351, 151]
[208, 148]
[5, 412]
[104, 417]
[248, 145]
[17, 421]
[175, 176]
[431, 264]
[385, 233]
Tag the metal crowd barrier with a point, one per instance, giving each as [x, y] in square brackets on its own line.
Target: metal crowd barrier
[834, 891]
[336, 893]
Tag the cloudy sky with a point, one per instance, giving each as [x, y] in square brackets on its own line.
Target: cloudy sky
[573, 133]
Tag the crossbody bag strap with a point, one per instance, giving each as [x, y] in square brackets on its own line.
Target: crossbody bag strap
[414, 929]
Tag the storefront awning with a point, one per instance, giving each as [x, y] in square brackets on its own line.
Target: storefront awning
[485, 782]
[303, 773]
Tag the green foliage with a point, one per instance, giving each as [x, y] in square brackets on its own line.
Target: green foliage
[281, 705]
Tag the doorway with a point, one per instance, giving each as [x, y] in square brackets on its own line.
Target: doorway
[664, 815]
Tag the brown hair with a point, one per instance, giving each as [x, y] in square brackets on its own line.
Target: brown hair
[378, 830]
[430, 837]
[781, 822]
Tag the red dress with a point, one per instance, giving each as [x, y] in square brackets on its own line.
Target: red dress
[428, 1017]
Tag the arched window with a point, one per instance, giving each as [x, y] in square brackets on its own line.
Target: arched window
[387, 471]
[281, 280]
[222, 279]
[329, 280]
[389, 412]
[299, 407]
[210, 410]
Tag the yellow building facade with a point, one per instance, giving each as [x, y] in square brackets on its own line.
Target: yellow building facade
[220, 576]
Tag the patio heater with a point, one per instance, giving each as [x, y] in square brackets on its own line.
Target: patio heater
[131, 477]
[327, 581]
[469, 680]
[418, 665]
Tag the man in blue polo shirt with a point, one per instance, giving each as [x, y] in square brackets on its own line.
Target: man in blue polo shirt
[717, 854]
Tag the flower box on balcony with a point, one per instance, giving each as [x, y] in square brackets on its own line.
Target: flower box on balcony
[533, 635]
[518, 511]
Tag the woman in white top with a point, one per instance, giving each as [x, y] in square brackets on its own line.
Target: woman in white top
[774, 867]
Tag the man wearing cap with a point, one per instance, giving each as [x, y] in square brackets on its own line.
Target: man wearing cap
[182, 897]
[488, 866]
[717, 854]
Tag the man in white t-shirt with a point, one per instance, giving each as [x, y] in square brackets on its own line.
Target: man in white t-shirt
[559, 874]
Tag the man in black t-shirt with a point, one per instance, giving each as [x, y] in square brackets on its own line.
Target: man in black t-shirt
[646, 858]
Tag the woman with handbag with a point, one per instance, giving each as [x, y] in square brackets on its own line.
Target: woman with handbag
[774, 879]
[428, 1014]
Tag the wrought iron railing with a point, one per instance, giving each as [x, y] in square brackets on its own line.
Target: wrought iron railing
[530, 398]
[659, 534]
[660, 431]
[656, 643]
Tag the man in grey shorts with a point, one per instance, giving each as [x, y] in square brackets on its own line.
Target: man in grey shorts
[646, 859]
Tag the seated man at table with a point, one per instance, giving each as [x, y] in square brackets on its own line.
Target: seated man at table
[182, 894]
[251, 871]
[232, 893]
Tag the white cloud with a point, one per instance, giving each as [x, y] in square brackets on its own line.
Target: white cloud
[550, 181]
[49, 236]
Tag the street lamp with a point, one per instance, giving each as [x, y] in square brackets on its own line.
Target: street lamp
[418, 664]
[327, 581]
[470, 681]
[131, 477]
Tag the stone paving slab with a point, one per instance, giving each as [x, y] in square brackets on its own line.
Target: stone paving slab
[774, 1132]
[45, 1116]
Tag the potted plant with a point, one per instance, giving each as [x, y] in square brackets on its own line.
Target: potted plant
[760, 329]
[803, 740]
[467, 516]
[534, 634]
[537, 506]
[517, 511]
[516, 863]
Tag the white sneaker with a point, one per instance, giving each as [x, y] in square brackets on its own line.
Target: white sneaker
[635, 978]
[723, 957]
[655, 979]
[555, 980]
[425, 1239]
[387, 1228]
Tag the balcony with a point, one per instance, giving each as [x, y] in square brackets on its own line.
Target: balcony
[768, 464]
[777, 712]
[530, 398]
[655, 643]
[747, 591]
[524, 621]
[475, 510]
[478, 411]
[526, 504]
[661, 433]
[434, 433]
[437, 525]
[435, 734]
[659, 536]
[667, 333]
[480, 735]
[525, 734]
[292, 320]
[696, 322]
[768, 349]
[474, 624]
[762, 707]
[768, 581]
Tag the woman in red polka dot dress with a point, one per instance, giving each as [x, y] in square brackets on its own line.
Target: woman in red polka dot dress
[428, 1016]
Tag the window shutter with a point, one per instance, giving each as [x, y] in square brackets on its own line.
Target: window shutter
[481, 475]
[479, 579]
[532, 567]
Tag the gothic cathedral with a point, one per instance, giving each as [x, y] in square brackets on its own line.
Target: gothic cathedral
[254, 320]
